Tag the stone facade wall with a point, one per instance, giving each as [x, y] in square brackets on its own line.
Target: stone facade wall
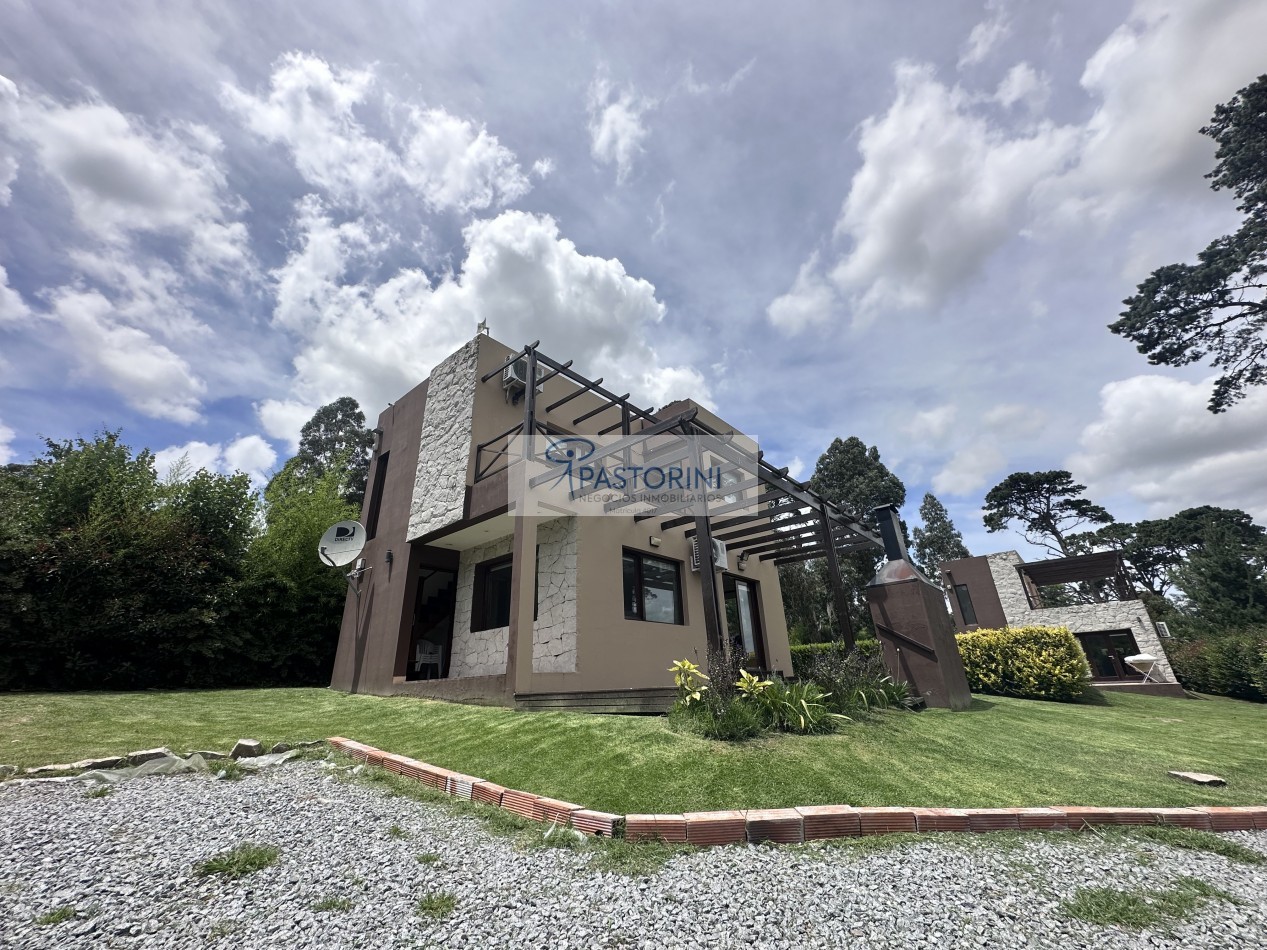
[554, 633]
[482, 652]
[444, 452]
[1080, 618]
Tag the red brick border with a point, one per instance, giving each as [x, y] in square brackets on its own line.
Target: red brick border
[806, 823]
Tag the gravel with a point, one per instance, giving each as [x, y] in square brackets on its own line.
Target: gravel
[126, 861]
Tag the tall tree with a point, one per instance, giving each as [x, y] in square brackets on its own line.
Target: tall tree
[1046, 507]
[1225, 582]
[851, 474]
[1217, 308]
[336, 438]
[938, 540]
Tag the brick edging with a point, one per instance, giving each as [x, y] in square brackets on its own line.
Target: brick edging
[796, 825]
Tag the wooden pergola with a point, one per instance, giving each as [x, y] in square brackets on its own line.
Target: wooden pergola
[792, 522]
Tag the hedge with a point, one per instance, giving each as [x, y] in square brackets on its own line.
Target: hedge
[803, 653]
[1231, 665]
[1026, 662]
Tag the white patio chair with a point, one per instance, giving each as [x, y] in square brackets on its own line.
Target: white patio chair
[429, 654]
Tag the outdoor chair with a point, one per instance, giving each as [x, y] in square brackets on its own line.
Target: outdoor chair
[428, 654]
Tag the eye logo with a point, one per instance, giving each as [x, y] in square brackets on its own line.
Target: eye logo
[566, 452]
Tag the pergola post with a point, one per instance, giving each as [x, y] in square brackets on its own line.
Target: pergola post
[839, 596]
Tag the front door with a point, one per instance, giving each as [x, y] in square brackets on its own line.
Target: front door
[432, 634]
[1107, 653]
[743, 620]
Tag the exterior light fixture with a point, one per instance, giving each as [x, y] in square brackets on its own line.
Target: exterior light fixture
[653, 541]
[743, 561]
[378, 440]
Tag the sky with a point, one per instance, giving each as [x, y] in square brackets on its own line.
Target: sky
[909, 222]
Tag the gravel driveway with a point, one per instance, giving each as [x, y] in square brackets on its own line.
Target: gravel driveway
[125, 862]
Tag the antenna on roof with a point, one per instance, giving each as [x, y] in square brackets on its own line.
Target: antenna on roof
[481, 328]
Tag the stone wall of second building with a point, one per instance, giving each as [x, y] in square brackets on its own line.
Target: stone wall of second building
[1079, 618]
[445, 447]
[554, 633]
[478, 652]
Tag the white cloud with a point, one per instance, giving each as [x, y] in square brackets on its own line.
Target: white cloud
[985, 36]
[125, 177]
[13, 308]
[796, 467]
[811, 299]
[148, 375]
[519, 274]
[616, 125]
[969, 469]
[946, 180]
[8, 154]
[312, 109]
[7, 436]
[1155, 440]
[283, 419]
[1024, 84]
[1157, 78]
[939, 190]
[932, 426]
[249, 454]
[1014, 420]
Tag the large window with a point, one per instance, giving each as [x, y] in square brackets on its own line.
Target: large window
[965, 604]
[653, 588]
[490, 607]
[376, 495]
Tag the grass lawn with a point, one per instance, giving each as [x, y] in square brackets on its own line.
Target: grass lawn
[1002, 752]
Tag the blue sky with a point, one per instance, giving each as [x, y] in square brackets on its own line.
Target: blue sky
[906, 222]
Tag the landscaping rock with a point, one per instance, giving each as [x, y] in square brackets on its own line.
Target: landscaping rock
[281, 747]
[7, 770]
[247, 748]
[1199, 778]
[209, 754]
[146, 755]
[109, 762]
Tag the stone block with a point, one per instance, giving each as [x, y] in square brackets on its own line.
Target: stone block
[716, 827]
[1198, 778]
[375, 757]
[1041, 819]
[829, 821]
[148, 755]
[279, 747]
[670, 828]
[885, 820]
[210, 755]
[461, 786]
[781, 825]
[1081, 816]
[941, 819]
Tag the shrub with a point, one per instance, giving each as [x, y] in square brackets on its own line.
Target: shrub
[1027, 662]
[797, 707]
[732, 720]
[1234, 664]
[852, 681]
[805, 654]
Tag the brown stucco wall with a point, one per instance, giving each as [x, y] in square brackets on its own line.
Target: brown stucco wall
[369, 638]
[975, 573]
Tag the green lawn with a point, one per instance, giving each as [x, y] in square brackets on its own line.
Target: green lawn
[1003, 752]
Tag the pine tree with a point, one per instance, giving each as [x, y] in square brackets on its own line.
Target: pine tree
[938, 541]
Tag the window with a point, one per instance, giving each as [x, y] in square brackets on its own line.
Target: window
[653, 588]
[490, 607]
[376, 496]
[965, 604]
[490, 602]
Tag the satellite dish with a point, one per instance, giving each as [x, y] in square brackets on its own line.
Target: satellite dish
[342, 543]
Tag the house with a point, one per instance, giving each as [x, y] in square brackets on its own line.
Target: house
[1001, 590]
[471, 588]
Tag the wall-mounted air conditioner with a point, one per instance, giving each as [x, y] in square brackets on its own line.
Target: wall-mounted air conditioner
[515, 376]
[719, 554]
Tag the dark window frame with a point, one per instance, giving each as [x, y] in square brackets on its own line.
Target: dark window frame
[376, 495]
[966, 609]
[479, 592]
[679, 611]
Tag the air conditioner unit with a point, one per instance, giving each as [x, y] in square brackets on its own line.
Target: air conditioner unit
[1162, 630]
[719, 554]
[515, 376]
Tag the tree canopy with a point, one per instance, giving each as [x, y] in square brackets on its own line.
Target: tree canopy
[1046, 508]
[1216, 309]
[336, 439]
[938, 540]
